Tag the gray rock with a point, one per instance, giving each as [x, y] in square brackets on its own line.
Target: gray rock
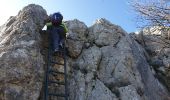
[151, 83]
[121, 66]
[77, 30]
[77, 37]
[89, 59]
[104, 33]
[74, 48]
[117, 66]
[21, 70]
[77, 86]
[129, 93]
[158, 49]
[101, 92]
[104, 62]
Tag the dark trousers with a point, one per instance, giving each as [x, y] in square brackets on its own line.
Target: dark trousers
[56, 37]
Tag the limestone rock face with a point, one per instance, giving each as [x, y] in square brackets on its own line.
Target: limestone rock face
[103, 33]
[103, 61]
[158, 49]
[21, 64]
[76, 38]
[129, 93]
[111, 58]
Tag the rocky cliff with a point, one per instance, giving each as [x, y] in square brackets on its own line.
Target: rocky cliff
[21, 64]
[104, 61]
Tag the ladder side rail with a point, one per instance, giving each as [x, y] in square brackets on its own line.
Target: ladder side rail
[48, 68]
[65, 71]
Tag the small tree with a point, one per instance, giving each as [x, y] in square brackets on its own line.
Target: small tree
[152, 13]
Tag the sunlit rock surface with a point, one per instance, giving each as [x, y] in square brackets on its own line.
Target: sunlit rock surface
[21, 64]
[104, 62]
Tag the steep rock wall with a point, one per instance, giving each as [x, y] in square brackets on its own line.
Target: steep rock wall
[109, 58]
[21, 64]
[104, 62]
[158, 50]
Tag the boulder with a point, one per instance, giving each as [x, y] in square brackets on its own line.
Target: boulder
[76, 37]
[21, 63]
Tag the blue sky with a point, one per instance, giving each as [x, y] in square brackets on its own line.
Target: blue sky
[118, 12]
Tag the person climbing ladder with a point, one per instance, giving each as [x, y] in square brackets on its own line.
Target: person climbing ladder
[57, 31]
[57, 35]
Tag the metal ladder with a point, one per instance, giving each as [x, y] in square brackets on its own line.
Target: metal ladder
[50, 71]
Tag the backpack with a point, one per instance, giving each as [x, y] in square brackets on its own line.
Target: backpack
[56, 19]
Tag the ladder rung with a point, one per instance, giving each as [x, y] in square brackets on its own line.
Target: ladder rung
[57, 72]
[60, 83]
[59, 95]
[54, 62]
